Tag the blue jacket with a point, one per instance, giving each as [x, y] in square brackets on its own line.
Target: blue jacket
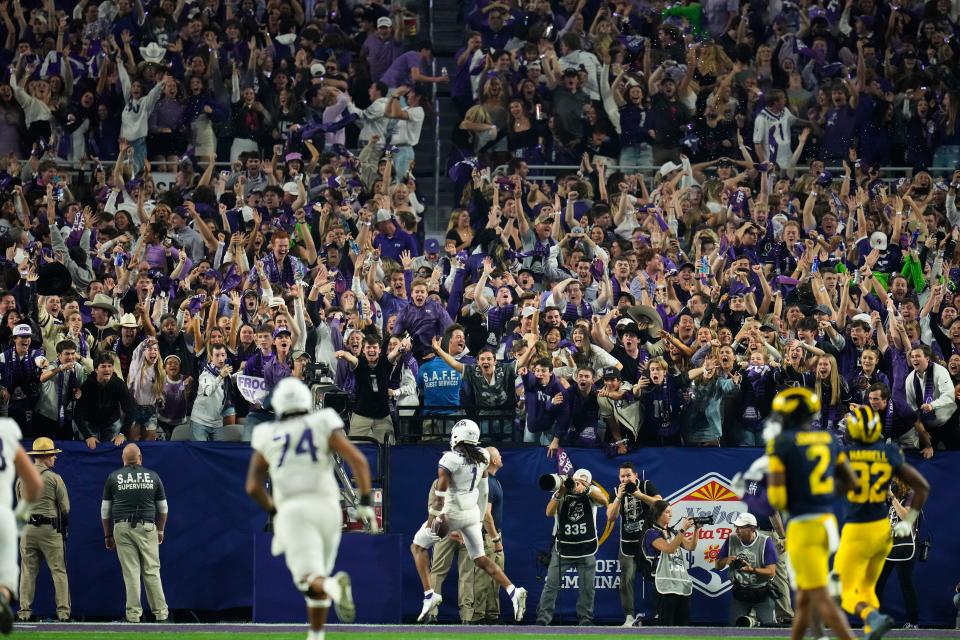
[541, 413]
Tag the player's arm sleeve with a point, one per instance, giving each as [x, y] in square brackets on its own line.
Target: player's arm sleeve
[448, 461]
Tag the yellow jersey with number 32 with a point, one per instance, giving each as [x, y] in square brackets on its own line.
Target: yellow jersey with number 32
[809, 462]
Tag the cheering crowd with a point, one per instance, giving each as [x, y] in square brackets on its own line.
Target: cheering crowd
[769, 245]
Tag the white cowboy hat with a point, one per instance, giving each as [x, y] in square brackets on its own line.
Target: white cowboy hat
[153, 52]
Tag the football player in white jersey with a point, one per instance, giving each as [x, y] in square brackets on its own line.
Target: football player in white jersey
[13, 462]
[461, 502]
[297, 451]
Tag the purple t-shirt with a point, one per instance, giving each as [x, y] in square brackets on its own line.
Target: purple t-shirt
[393, 247]
[461, 85]
[380, 53]
[838, 132]
[399, 72]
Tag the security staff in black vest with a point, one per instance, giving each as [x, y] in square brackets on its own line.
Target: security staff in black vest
[134, 514]
[574, 509]
[633, 500]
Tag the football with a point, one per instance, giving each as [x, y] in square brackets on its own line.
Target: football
[440, 527]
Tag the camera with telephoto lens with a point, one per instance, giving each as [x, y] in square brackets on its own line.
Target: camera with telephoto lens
[700, 521]
[317, 373]
[630, 488]
[553, 482]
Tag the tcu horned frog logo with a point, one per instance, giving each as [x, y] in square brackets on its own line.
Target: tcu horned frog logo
[576, 511]
[708, 495]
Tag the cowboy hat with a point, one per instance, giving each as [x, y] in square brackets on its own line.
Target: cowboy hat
[643, 313]
[103, 301]
[129, 321]
[153, 52]
[43, 447]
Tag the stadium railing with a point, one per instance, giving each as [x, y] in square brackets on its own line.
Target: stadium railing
[379, 477]
[424, 424]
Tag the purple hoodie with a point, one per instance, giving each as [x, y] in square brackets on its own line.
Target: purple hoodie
[423, 323]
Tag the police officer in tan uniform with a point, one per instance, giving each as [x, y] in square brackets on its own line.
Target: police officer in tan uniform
[134, 514]
[486, 592]
[45, 533]
[444, 553]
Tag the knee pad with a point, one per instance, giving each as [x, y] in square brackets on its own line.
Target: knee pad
[314, 603]
[304, 586]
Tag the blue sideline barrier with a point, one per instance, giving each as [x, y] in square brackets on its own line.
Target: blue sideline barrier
[213, 534]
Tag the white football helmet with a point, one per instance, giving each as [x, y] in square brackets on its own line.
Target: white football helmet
[465, 431]
[291, 396]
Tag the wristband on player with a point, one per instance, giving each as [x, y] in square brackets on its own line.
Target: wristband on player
[365, 500]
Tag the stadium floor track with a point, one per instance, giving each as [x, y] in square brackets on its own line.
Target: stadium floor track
[92, 629]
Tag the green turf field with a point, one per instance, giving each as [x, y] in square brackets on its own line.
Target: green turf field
[335, 635]
[332, 635]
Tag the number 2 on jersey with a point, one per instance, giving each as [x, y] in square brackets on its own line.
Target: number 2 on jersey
[820, 482]
[305, 445]
[865, 491]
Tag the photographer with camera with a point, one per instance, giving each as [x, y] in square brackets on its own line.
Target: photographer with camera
[574, 509]
[632, 502]
[665, 547]
[752, 558]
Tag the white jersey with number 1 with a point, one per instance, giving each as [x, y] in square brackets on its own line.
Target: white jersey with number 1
[298, 452]
[463, 491]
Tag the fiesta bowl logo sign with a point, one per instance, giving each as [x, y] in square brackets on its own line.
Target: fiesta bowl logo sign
[708, 495]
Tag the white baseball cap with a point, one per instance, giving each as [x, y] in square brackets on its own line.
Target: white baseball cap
[745, 520]
[584, 475]
[22, 330]
[384, 21]
[878, 240]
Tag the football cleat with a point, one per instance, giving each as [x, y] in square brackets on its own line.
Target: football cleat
[431, 604]
[519, 600]
[345, 607]
[879, 624]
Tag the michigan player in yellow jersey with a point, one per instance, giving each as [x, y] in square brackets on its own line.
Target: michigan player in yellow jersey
[806, 472]
[866, 540]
